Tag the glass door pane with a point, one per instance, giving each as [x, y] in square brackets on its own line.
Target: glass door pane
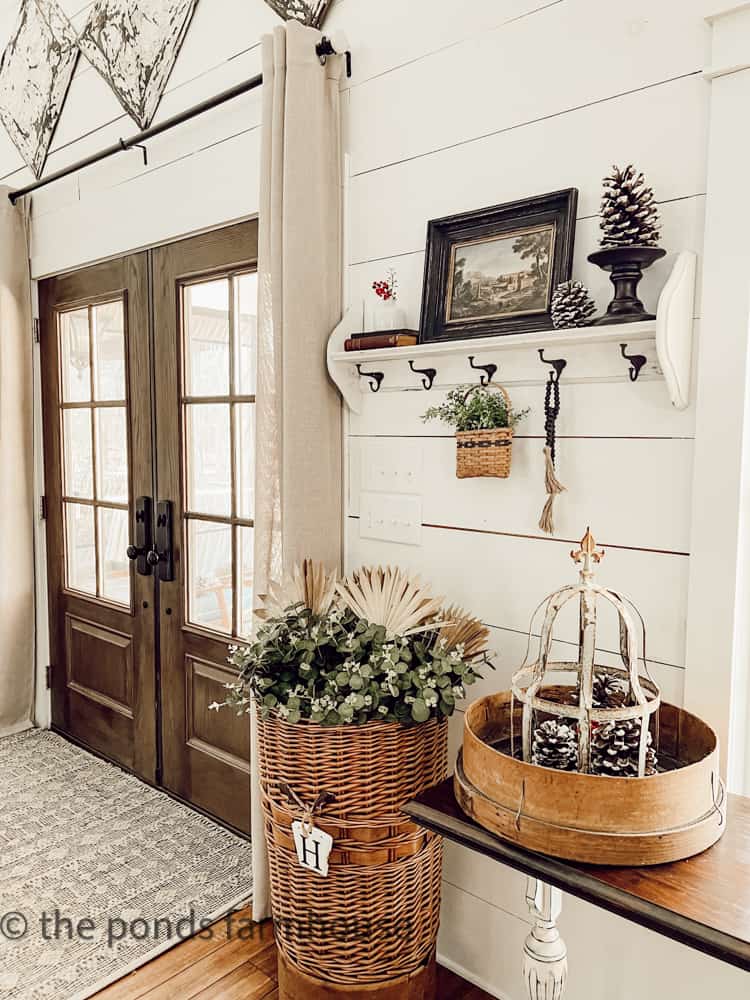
[219, 323]
[96, 467]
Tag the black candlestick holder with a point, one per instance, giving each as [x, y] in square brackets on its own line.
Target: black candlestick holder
[625, 265]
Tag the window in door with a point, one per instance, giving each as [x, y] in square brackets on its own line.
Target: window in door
[219, 331]
[95, 455]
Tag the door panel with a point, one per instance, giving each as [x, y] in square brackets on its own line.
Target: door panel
[98, 457]
[205, 292]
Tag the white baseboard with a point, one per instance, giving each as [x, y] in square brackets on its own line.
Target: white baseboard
[471, 977]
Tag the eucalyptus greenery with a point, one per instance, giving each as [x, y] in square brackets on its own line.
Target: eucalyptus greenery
[333, 667]
[475, 408]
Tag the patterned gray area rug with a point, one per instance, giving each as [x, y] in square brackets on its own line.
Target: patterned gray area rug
[80, 840]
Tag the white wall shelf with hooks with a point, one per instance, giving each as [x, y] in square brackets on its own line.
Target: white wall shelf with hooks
[666, 343]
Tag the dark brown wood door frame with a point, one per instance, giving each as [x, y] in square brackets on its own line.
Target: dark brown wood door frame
[206, 757]
[95, 643]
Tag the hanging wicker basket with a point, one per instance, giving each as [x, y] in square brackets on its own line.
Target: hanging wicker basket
[374, 919]
[488, 452]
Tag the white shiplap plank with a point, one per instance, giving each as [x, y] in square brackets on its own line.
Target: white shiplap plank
[390, 207]
[481, 85]
[220, 31]
[215, 185]
[502, 578]
[387, 36]
[596, 409]
[633, 492]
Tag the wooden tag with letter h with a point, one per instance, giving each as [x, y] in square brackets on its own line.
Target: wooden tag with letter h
[313, 847]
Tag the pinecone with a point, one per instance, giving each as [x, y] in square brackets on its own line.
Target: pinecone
[629, 216]
[555, 744]
[571, 305]
[614, 749]
[610, 692]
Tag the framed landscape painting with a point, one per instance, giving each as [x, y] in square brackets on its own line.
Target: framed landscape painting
[493, 271]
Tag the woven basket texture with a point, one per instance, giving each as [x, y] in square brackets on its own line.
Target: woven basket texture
[360, 924]
[485, 453]
[371, 769]
[375, 916]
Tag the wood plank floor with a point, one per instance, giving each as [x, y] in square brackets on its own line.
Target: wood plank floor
[232, 960]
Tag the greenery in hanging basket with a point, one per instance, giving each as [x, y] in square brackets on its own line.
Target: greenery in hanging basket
[475, 408]
[375, 646]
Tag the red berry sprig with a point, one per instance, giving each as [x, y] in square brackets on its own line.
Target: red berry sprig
[386, 289]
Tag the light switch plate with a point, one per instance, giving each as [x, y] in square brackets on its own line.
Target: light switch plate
[391, 517]
[390, 469]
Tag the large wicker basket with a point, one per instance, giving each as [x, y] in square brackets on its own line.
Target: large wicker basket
[375, 917]
[485, 453]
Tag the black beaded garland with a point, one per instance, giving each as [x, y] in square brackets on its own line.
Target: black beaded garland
[551, 412]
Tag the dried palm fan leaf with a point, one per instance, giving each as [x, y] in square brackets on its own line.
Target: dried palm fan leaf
[462, 629]
[390, 598]
[310, 584]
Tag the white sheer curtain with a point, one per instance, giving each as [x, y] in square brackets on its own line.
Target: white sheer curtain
[16, 472]
[298, 507]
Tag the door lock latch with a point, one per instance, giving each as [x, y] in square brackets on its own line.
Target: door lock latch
[139, 551]
[160, 556]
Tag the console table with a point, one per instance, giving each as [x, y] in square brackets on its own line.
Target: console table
[703, 902]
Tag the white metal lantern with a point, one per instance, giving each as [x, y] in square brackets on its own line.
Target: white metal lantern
[533, 684]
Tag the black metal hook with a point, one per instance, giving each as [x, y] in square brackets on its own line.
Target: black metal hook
[134, 145]
[637, 361]
[375, 378]
[325, 48]
[428, 373]
[557, 363]
[489, 369]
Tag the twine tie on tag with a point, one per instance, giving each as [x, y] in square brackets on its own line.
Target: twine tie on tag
[307, 812]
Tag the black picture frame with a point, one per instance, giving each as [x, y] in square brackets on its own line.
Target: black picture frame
[547, 220]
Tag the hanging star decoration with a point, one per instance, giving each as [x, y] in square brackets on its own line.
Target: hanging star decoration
[35, 72]
[309, 12]
[134, 44]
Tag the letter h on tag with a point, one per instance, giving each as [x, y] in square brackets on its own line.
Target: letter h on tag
[313, 847]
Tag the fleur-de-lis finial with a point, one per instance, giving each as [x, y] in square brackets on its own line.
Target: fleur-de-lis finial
[587, 554]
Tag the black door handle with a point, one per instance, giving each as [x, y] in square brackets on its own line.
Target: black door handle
[138, 551]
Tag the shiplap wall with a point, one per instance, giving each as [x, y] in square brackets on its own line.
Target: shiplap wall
[523, 98]
[452, 107]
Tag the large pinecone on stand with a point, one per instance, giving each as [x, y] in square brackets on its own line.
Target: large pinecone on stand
[555, 744]
[629, 216]
[571, 305]
[614, 749]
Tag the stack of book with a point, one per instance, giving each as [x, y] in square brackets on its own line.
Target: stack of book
[383, 338]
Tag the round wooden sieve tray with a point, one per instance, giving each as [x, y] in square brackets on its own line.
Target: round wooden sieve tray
[589, 818]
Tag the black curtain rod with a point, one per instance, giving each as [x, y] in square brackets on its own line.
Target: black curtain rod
[138, 140]
[324, 48]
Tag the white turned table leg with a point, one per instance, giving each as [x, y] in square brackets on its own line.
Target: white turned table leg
[545, 957]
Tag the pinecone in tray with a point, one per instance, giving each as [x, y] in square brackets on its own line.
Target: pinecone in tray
[571, 305]
[629, 217]
[614, 749]
[555, 744]
[610, 692]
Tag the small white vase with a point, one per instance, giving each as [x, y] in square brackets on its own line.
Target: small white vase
[385, 315]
